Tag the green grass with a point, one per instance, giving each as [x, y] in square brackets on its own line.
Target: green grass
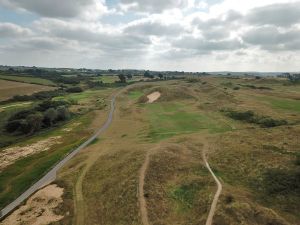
[25, 79]
[169, 119]
[134, 95]
[184, 195]
[15, 105]
[281, 103]
[77, 97]
[107, 79]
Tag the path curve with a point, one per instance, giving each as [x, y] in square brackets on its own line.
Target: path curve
[51, 175]
[142, 200]
[213, 206]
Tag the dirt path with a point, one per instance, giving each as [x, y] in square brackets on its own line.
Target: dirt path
[79, 199]
[142, 200]
[213, 206]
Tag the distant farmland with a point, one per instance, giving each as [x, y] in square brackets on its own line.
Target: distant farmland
[10, 88]
[27, 79]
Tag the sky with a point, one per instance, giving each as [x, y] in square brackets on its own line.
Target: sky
[182, 35]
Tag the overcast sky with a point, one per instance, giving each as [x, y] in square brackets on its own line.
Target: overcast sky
[190, 35]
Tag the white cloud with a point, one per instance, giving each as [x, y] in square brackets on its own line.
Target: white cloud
[155, 34]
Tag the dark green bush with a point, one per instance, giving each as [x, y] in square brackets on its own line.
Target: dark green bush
[247, 115]
[74, 90]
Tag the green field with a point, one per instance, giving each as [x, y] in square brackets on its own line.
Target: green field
[169, 119]
[134, 95]
[78, 97]
[25, 79]
[107, 79]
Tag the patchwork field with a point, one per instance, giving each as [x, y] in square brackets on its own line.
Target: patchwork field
[10, 88]
[26, 161]
[148, 167]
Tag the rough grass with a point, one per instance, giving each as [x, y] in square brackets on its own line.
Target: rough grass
[177, 185]
[284, 104]
[27, 79]
[262, 163]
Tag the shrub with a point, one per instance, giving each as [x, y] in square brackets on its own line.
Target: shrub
[297, 161]
[20, 115]
[74, 90]
[269, 122]
[62, 113]
[50, 116]
[33, 123]
[13, 126]
[241, 115]
[50, 104]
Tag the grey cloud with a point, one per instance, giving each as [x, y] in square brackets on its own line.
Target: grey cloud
[270, 38]
[218, 28]
[38, 44]
[154, 28]
[232, 16]
[216, 33]
[9, 30]
[51, 8]
[202, 45]
[276, 14]
[87, 36]
[155, 6]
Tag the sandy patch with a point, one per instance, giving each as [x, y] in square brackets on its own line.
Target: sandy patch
[153, 97]
[39, 208]
[70, 128]
[9, 155]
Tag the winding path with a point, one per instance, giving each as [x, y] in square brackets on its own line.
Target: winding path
[51, 175]
[142, 200]
[213, 206]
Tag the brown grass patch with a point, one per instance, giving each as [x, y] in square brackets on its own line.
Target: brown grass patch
[10, 88]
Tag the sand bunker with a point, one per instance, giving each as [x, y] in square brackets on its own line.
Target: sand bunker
[39, 208]
[9, 155]
[153, 97]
